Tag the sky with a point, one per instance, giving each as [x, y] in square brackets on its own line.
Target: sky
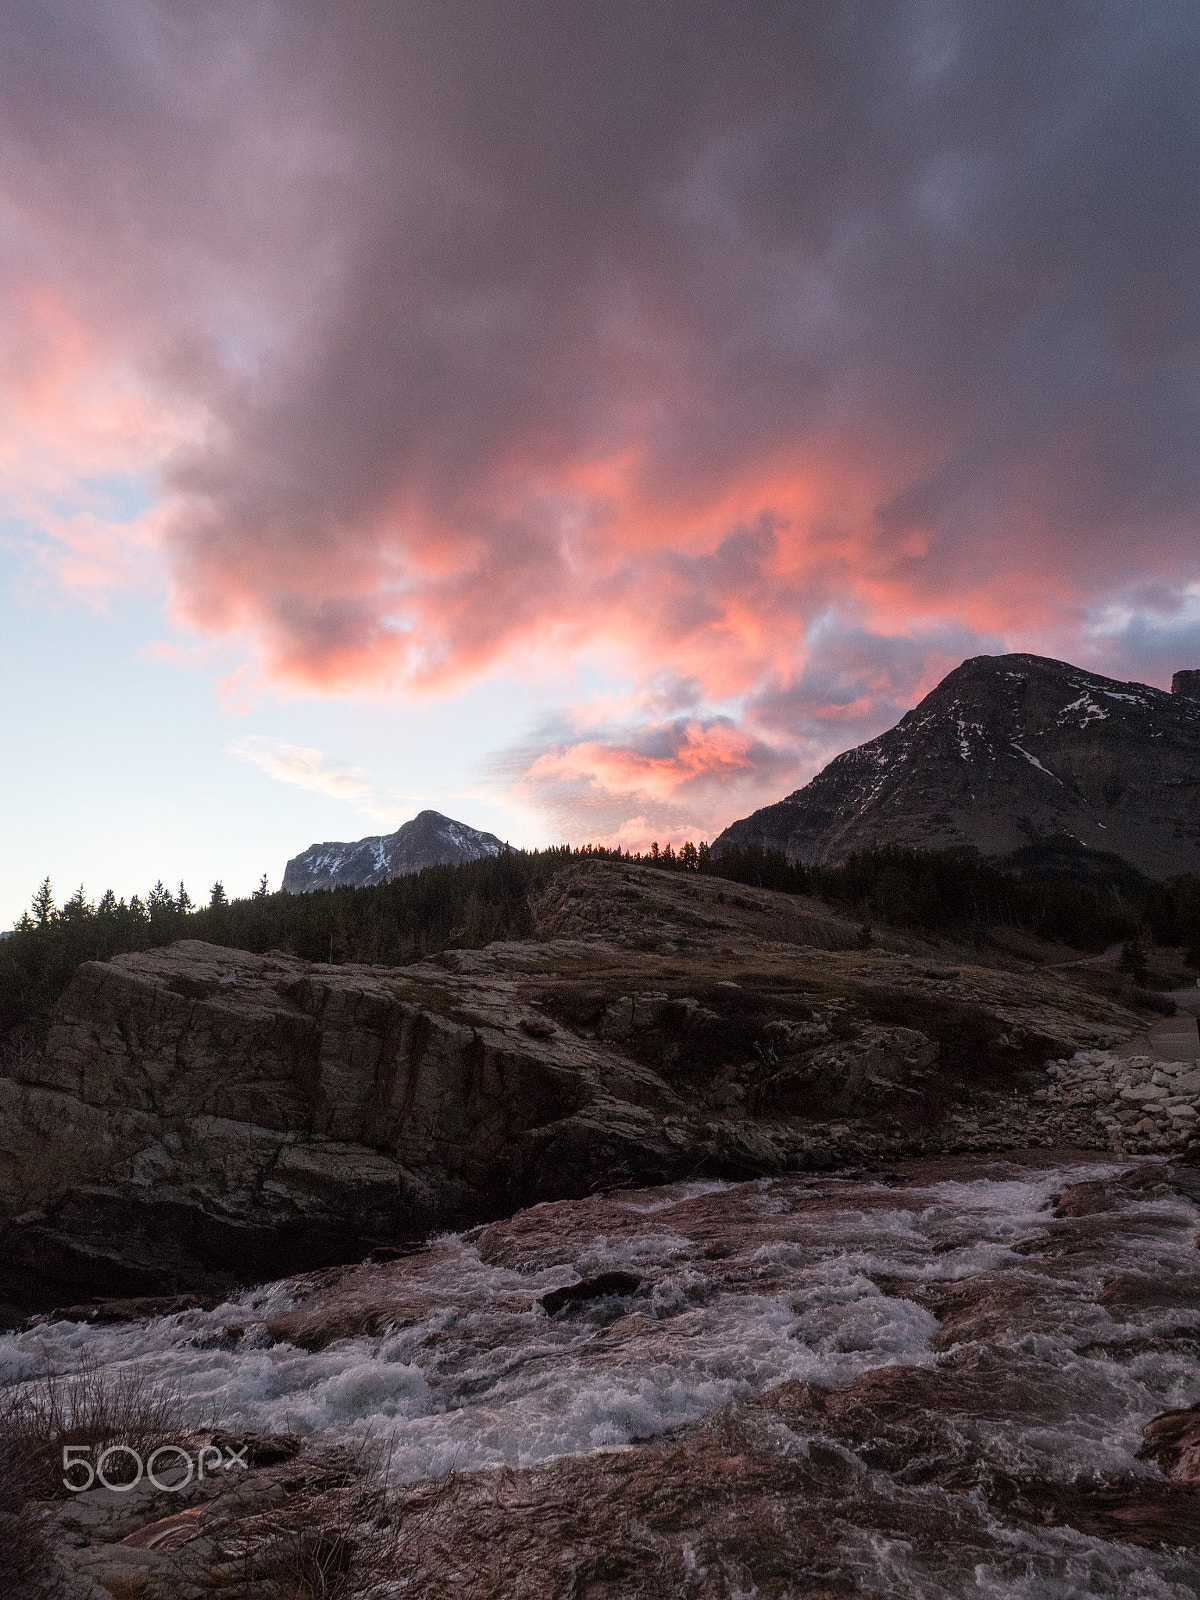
[583, 420]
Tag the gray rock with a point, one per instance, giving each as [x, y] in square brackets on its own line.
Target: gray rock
[177, 1134]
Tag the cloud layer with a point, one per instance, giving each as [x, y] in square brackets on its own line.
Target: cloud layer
[304, 767]
[790, 351]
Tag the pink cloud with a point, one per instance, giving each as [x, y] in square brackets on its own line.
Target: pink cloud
[663, 761]
[306, 768]
[674, 777]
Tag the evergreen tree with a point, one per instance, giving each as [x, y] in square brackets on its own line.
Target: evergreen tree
[216, 897]
[262, 891]
[159, 900]
[183, 900]
[77, 908]
[43, 904]
[1133, 960]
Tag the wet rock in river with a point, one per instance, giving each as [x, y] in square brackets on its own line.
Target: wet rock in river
[1140, 1289]
[603, 1284]
[1173, 1440]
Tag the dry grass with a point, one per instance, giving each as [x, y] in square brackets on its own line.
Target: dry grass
[37, 1419]
[24, 1554]
[93, 1407]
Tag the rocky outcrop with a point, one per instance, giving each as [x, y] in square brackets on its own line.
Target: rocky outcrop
[1006, 753]
[202, 1116]
[429, 840]
[198, 1109]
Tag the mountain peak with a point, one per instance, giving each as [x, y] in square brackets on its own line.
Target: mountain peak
[1007, 751]
[428, 840]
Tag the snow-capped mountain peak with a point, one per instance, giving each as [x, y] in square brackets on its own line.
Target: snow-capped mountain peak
[429, 840]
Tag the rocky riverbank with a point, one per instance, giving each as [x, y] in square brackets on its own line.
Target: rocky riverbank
[201, 1118]
[1141, 1105]
[955, 1377]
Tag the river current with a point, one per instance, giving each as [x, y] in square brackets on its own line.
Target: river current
[731, 1290]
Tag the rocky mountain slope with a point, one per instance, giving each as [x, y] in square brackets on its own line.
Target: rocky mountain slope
[201, 1117]
[429, 840]
[1005, 752]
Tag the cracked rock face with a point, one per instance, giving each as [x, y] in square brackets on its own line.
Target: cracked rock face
[293, 1113]
[202, 1117]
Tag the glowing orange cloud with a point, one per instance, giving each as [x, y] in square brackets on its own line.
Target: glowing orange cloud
[694, 752]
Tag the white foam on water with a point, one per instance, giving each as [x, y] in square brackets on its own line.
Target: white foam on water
[1067, 1565]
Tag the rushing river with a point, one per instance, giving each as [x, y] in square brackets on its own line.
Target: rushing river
[1088, 1320]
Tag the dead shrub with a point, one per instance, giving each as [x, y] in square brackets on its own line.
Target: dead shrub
[17, 1053]
[26, 1564]
[94, 1406]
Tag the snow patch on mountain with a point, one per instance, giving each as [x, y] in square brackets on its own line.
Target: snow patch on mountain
[1033, 760]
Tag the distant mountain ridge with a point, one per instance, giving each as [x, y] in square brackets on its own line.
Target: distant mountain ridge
[429, 840]
[1008, 751]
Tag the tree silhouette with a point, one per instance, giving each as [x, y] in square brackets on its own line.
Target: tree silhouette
[43, 904]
